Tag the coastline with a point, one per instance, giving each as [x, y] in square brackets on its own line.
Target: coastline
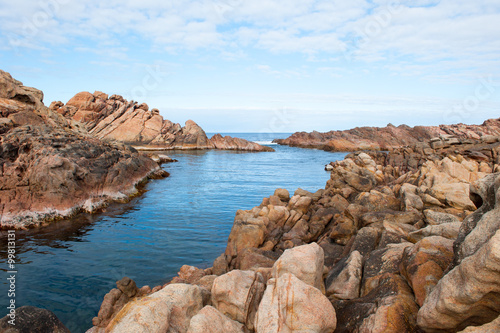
[369, 198]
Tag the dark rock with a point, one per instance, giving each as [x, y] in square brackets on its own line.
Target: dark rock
[30, 319]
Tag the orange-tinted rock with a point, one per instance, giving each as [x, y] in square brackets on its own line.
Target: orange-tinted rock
[53, 168]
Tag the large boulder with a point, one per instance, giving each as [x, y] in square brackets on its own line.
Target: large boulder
[211, 320]
[168, 310]
[424, 264]
[344, 280]
[306, 262]
[290, 305]
[468, 295]
[237, 294]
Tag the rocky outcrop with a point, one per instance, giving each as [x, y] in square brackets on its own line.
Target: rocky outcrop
[391, 137]
[469, 294]
[405, 241]
[114, 118]
[229, 143]
[50, 167]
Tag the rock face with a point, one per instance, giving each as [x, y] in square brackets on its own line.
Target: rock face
[375, 138]
[290, 305]
[114, 118]
[31, 319]
[51, 167]
[237, 294]
[469, 294]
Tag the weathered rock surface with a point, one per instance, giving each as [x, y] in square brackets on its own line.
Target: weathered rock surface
[114, 118]
[344, 280]
[468, 295]
[237, 294]
[210, 320]
[375, 138]
[305, 262]
[168, 310]
[50, 167]
[290, 305]
[31, 319]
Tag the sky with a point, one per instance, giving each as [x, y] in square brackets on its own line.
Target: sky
[265, 66]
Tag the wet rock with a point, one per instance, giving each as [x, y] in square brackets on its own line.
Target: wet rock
[32, 319]
[293, 306]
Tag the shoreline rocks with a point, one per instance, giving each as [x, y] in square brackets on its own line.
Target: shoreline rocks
[52, 168]
[391, 137]
[389, 245]
[114, 118]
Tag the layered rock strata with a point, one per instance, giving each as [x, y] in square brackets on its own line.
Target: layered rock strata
[114, 118]
[51, 167]
[390, 137]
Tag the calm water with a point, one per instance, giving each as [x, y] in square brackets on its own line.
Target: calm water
[185, 219]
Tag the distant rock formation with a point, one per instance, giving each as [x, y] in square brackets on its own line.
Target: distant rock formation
[114, 118]
[390, 137]
[50, 167]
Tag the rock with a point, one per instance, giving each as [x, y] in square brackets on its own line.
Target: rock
[424, 264]
[492, 327]
[447, 230]
[282, 194]
[230, 143]
[344, 280]
[468, 295]
[379, 263]
[290, 305]
[455, 194]
[366, 240]
[220, 265]
[253, 259]
[206, 282]
[189, 274]
[237, 294]
[305, 262]
[167, 310]
[481, 225]
[210, 320]
[389, 308]
[53, 168]
[248, 231]
[435, 218]
[31, 319]
[385, 138]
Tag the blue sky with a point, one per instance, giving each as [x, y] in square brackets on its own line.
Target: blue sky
[271, 66]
